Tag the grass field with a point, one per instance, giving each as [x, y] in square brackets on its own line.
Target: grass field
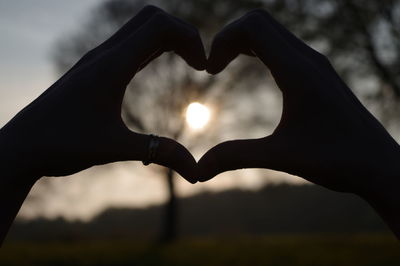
[366, 249]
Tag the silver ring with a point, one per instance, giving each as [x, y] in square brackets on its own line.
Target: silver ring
[152, 152]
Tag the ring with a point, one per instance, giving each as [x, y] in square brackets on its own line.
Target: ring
[153, 146]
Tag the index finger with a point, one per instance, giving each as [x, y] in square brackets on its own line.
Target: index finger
[251, 34]
[161, 33]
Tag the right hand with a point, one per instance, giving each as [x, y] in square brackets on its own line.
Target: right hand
[325, 135]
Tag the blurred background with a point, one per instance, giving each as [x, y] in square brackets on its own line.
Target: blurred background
[124, 213]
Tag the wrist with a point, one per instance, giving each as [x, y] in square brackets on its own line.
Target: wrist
[386, 202]
[381, 191]
[16, 160]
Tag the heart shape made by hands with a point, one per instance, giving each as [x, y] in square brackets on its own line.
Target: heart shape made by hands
[325, 134]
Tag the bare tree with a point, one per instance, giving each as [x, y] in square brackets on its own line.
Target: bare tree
[156, 100]
[360, 37]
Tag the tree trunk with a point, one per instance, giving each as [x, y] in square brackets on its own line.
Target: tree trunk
[169, 226]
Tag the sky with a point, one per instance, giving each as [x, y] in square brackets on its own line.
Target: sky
[29, 30]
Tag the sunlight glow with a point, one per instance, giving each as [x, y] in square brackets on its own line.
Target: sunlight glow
[197, 115]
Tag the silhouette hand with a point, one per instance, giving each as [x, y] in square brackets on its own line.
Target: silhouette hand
[77, 123]
[325, 135]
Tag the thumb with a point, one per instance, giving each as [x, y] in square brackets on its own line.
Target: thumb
[169, 153]
[239, 154]
[174, 155]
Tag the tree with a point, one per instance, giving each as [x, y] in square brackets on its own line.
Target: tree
[156, 99]
[360, 37]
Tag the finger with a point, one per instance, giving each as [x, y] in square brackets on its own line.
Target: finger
[148, 60]
[171, 154]
[305, 50]
[124, 32]
[226, 46]
[174, 155]
[221, 54]
[131, 26]
[290, 38]
[253, 34]
[194, 54]
[239, 154]
[186, 52]
[187, 43]
[159, 34]
[190, 47]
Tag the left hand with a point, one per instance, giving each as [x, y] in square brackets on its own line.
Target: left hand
[76, 123]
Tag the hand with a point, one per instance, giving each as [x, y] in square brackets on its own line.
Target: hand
[77, 123]
[325, 135]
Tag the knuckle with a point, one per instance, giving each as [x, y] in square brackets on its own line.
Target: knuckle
[161, 18]
[253, 18]
[163, 22]
[259, 11]
[321, 58]
[150, 9]
[244, 30]
[192, 34]
[325, 59]
[219, 39]
[103, 64]
[250, 24]
[89, 55]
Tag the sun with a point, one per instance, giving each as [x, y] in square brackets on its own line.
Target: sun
[197, 115]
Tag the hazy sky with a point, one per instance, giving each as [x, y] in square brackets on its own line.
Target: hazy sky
[28, 30]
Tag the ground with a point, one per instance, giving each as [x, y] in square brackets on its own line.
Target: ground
[329, 249]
